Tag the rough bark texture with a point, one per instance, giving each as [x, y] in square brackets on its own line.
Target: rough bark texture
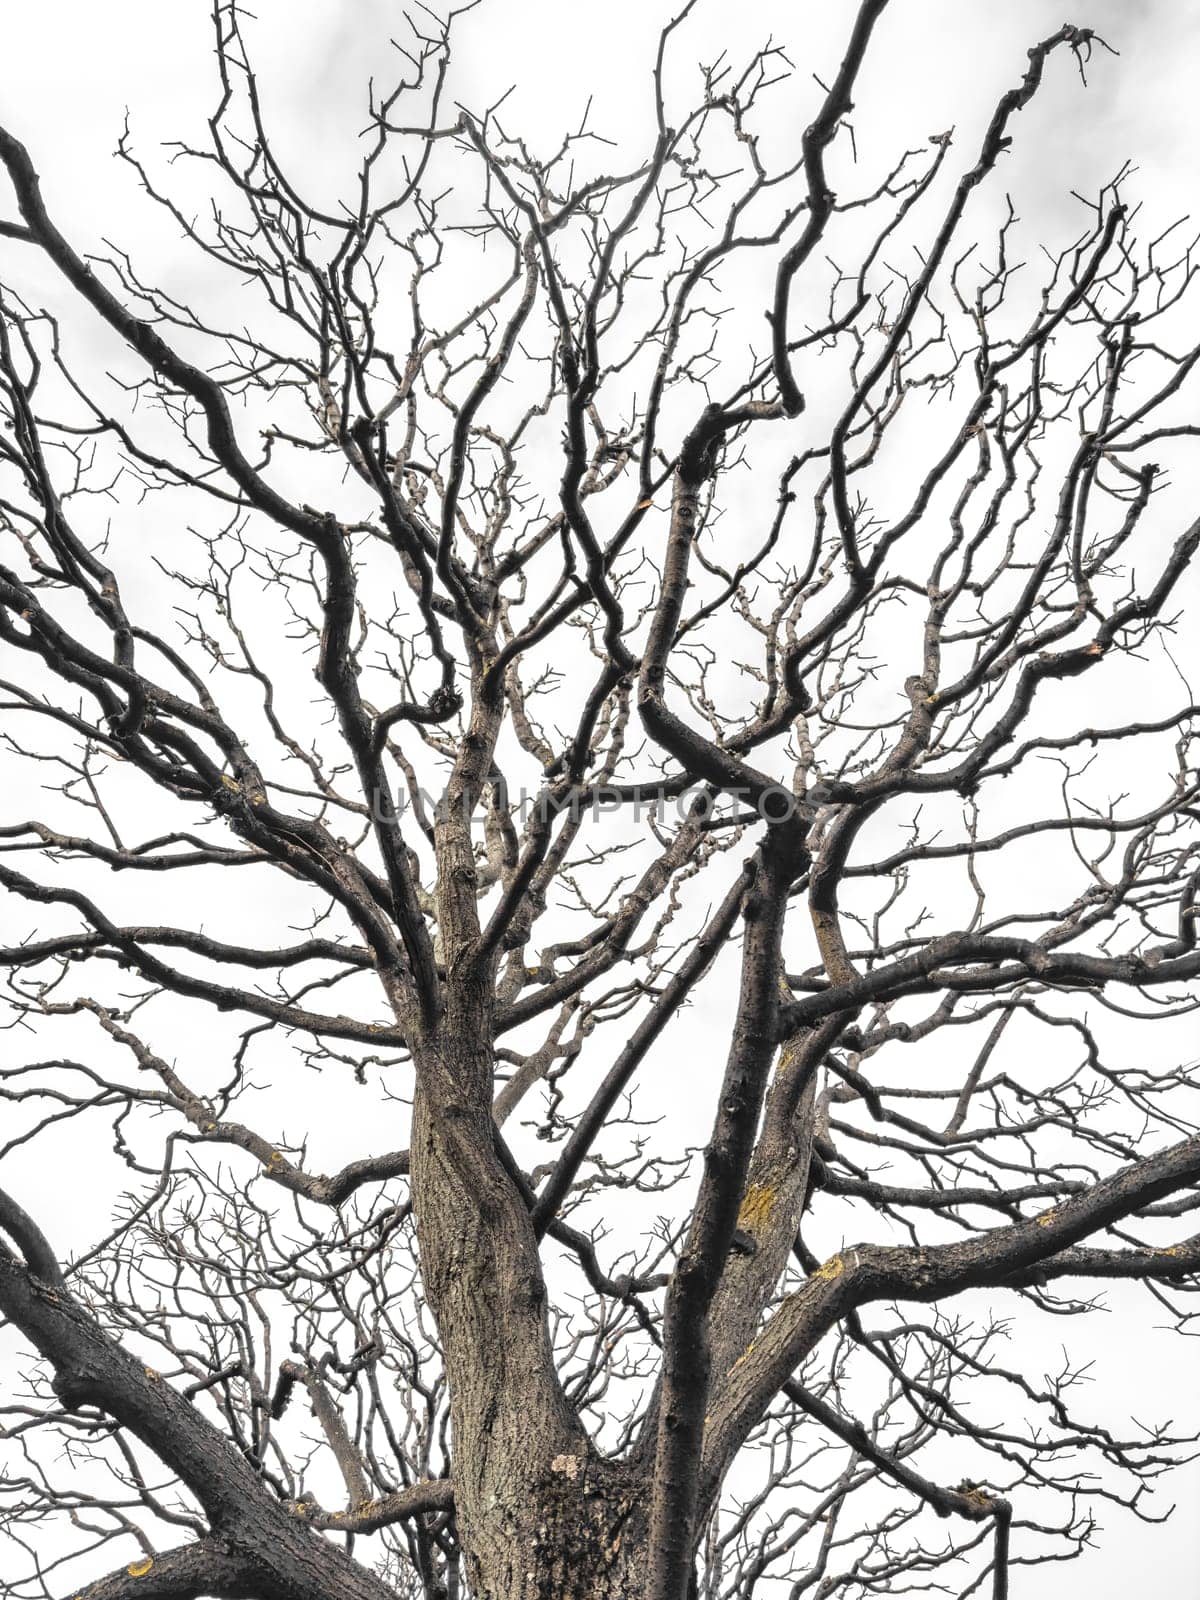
[541, 1516]
[574, 1531]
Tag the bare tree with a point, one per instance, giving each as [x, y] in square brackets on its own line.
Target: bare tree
[471, 608]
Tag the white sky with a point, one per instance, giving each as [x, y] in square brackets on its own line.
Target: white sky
[73, 66]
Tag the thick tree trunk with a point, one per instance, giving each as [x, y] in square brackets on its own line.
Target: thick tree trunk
[539, 1516]
[579, 1534]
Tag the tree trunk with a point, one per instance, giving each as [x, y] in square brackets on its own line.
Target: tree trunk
[539, 1515]
[577, 1534]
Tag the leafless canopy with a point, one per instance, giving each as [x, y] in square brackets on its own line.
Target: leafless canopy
[507, 626]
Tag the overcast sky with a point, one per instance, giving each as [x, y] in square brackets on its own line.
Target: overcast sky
[73, 67]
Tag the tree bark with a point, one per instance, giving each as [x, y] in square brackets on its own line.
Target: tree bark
[578, 1532]
[540, 1516]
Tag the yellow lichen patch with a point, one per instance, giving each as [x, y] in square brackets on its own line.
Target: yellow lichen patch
[1046, 1218]
[139, 1569]
[746, 1353]
[786, 1057]
[833, 1268]
[757, 1207]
